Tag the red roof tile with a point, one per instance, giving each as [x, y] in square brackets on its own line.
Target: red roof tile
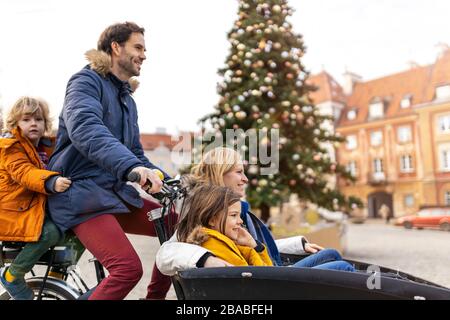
[327, 88]
[151, 141]
[154, 140]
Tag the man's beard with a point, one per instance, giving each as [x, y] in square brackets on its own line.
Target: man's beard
[129, 67]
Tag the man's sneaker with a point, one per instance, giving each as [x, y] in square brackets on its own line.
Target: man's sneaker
[18, 289]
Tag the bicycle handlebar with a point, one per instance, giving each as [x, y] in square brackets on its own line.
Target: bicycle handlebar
[171, 191]
[171, 188]
[134, 177]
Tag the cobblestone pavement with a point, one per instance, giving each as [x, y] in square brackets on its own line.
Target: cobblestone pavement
[423, 253]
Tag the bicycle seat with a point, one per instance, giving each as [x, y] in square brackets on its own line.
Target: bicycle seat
[61, 255]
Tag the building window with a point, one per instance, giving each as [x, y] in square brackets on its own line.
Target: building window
[351, 168]
[352, 143]
[408, 200]
[406, 163]
[444, 123]
[378, 166]
[404, 134]
[443, 92]
[378, 171]
[351, 114]
[376, 110]
[405, 102]
[447, 198]
[376, 138]
[445, 156]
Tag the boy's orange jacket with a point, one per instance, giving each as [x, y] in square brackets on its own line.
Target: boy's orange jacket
[22, 189]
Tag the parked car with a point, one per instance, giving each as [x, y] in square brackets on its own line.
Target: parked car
[434, 217]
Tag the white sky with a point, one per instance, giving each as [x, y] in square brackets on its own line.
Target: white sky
[43, 44]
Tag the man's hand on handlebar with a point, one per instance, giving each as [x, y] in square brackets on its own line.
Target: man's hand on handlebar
[147, 174]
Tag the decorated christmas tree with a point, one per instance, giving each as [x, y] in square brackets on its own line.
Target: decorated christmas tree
[264, 89]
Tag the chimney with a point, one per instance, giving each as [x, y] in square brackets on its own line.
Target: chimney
[161, 130]
[413, 65]
[350, 79]
[442, 48]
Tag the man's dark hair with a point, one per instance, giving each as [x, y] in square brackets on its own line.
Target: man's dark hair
[119, 32]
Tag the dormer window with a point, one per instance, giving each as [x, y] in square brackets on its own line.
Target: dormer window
[406, 102]
[443, 92]
[376, 110]
[351, 114]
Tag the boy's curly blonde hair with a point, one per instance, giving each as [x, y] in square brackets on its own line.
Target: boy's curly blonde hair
[28, 106]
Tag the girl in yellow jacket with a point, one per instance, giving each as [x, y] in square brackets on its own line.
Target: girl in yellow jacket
[213, 221]
[24, 186]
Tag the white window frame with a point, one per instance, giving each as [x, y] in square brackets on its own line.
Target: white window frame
[376, 110]
[444, 123]
[376, 138]
[445, 159]
[447, 198]
[352, 168]
[378, 165]
[408, 200]
[404, 134]
[406, 163]
[352, 142]
[443, 92]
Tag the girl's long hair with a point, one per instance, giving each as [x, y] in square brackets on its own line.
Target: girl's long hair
[207, 201]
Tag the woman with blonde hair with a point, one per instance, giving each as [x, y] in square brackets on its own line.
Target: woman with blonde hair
[224, 167]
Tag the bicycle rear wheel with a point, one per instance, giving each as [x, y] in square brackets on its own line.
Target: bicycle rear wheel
[54, 289]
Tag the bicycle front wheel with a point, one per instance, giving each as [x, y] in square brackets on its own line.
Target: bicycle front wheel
[54, 289]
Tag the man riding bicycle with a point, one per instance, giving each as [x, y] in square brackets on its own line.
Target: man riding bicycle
[97, 147]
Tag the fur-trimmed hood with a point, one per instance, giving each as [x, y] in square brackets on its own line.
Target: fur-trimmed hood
[197, 236]
[100, 62]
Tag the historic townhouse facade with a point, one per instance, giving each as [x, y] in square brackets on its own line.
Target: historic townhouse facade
[397, 131]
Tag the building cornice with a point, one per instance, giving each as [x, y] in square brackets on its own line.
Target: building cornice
[378, 123]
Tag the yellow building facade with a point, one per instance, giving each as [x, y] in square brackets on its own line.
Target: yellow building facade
[397, 132]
